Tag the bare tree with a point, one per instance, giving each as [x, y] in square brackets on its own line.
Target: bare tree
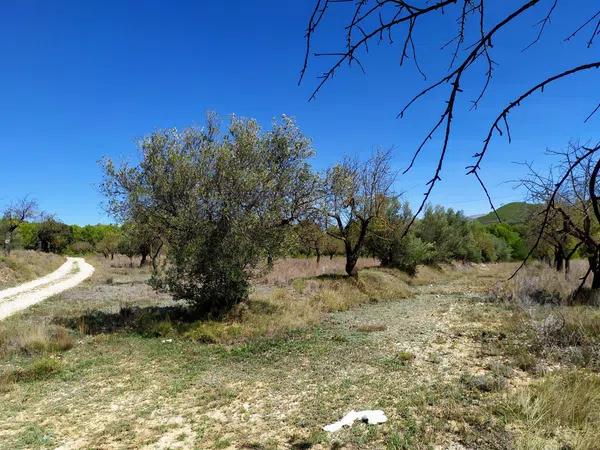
[571, 201]
[356, 193]
[378, 21]
[14, 215]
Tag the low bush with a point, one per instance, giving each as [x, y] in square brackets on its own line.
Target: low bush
[38, 369]
[34, 339]
[484, 383]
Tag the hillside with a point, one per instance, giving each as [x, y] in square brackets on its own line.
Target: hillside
[512, 213]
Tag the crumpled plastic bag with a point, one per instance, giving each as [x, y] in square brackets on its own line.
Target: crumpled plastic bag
[372, 417]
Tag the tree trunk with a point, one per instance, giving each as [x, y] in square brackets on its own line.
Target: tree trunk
[567, 267]
[595, 268]
[352, 254]
[559, 260]
[7, 242]
[596, 280]
[351, 260]
[318, 255]
[154, 256]
[144, 261]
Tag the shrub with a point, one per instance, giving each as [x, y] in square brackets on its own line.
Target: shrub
[409, 252]
[39, 369]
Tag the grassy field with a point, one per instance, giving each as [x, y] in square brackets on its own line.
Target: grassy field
[26, 265]
[112, 364]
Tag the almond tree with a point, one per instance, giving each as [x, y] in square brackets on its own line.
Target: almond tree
[571, 199]
[355, 193]
[14, 215]
[470, 51]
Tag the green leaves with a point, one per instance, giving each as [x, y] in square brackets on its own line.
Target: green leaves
[220, 202]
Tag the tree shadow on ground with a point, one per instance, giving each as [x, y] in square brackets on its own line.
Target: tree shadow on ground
[150, 321]
[330, 276]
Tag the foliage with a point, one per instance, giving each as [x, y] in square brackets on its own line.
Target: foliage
[92, 234]
[386, 240]
[81, 248]
[109, 244]
[13, 216]
[355, 194]
[311, 238]
[511, 213]
[53, 236]
[451, 234]
[510, 235]
[219, 202]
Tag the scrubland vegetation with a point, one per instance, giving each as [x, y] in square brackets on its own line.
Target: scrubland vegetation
[232, 299]
[454, 355]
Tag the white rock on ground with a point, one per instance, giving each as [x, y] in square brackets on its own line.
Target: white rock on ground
[69, 275]
[372, 417]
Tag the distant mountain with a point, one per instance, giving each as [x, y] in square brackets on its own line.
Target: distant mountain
[512, 213]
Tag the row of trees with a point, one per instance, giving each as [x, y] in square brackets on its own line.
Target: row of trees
[25, 227]
[223, 202]
[439, 236]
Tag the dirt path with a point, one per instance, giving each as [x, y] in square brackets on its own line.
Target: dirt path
[412, 358]
[69, 275]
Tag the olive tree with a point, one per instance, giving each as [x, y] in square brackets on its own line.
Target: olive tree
[355, 193]
[53, 236]
[219, 201]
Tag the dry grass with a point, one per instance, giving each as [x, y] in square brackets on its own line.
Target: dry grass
[33, 338]
[298, 355]
[541, 284]
[37, 344]
[560, 411]
[26, 265]
[445, 365]
[287, 269]
[297, 305]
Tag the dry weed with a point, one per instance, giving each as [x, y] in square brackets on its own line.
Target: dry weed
[25, 265]
[287, 269]
[541, 284]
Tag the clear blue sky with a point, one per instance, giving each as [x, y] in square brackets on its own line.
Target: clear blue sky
[83, 80]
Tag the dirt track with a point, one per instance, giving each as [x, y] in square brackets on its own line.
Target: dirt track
[69, 275]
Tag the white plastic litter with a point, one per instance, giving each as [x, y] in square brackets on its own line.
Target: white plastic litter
[372, 417]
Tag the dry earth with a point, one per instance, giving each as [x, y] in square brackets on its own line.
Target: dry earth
[413, 358]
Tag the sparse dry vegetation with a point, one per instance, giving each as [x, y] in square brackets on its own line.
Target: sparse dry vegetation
[286, 270]
[538, 283]
[25, 265]
[448, 366]
[559, 411]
